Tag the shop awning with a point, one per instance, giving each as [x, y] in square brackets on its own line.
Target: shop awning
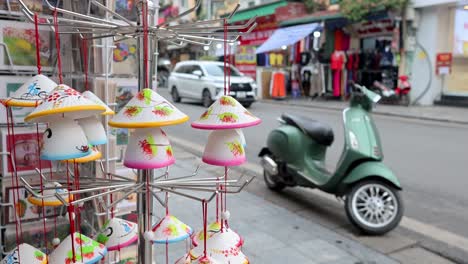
[287, 36]
[261, 10]
[315, 17]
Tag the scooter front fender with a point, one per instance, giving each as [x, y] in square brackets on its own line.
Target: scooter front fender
[371, 169]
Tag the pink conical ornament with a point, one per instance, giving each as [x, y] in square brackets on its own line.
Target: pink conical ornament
[93, 251]
[224, 148]
[27, 253]
[91, 96]
[32, 92]
[226, 113]
[148, 109]
[148, 148]
[64, 102]
[118, 233]
[171, 230]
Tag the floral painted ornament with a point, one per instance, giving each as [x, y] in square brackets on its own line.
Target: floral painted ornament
[92, 250]
[27, 253]
[148, 109]
[224, 148]
[49, 195]
[118, 233]
[171, 230]
[65, 102]
[226, 113]
[94, 130]
[32, 92]
[212, 229]
[148, 148]
[224, 247]
[91, 96]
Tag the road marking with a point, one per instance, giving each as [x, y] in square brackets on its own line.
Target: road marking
[414, 225]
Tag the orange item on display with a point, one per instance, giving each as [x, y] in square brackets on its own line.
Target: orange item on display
[278, 87]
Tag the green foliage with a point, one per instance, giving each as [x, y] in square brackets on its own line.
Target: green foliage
[357, 10]
[208, 58]
[314, 5]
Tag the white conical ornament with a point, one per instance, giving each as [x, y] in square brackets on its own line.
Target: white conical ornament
[93, 155]
[171, 230]
[91, 96]
[27, 254]
[148, 148]
[64, 139]
[224, 244]
[93, 129]
[32, 92]
[118, 233]
[49, 193]
[64, 102]
[226, 113]
[92, 250]
[207, 260]
[224, 148]
[148, 109]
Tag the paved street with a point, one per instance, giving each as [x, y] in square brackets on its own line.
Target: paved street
[428, 157]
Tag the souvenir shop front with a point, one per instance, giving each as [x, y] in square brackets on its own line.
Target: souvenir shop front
[366, 53]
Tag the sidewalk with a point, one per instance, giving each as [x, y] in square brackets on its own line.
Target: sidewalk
[272, 234]
[433, 113]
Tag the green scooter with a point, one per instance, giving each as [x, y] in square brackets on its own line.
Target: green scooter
[295, 156]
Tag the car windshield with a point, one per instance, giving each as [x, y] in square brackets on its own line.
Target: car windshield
[218, 70]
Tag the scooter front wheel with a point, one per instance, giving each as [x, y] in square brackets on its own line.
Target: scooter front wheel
[272, 183]
[374, 207]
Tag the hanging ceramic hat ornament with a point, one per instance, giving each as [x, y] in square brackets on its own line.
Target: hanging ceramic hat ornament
[148, 148]
[91, 96]
[92, 250]
[118, 233]
[64, 102]
[93, 129]
[186, 259]
[148, 109]
[93, 155]
[26, 253]
[224, 148]
[223, 247]
[226, 113]
[171, 230]
[206, 260]
[64, 139]
[32, 92]
[49, 195]
[211, 229]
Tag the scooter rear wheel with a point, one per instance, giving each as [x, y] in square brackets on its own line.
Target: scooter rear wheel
[374, 207]
[271, 183]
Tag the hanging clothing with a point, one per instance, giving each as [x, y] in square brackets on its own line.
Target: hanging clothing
[278, 85]
[337, 65]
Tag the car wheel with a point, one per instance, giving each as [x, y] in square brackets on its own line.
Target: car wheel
[247, 105]
[206, 98]
[374, 207]
[175, 95]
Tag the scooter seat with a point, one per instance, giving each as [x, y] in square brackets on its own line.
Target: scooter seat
[320, 132]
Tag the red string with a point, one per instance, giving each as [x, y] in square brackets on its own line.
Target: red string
[42, 187]
[38, 45]
[57, 45]
[225, 193]
[145, 42]
[70, 216]
[10, 128]
[167, 203]
[205, 222]
[84, 46]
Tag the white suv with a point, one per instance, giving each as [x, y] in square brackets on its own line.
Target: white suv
[204, 81]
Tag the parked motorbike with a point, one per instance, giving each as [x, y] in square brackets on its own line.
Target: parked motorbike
[398, 96]
[295, 156]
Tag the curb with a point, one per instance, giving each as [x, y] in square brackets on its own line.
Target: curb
[375, 112]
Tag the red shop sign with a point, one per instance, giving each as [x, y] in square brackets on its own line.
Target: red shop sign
[444, 63]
